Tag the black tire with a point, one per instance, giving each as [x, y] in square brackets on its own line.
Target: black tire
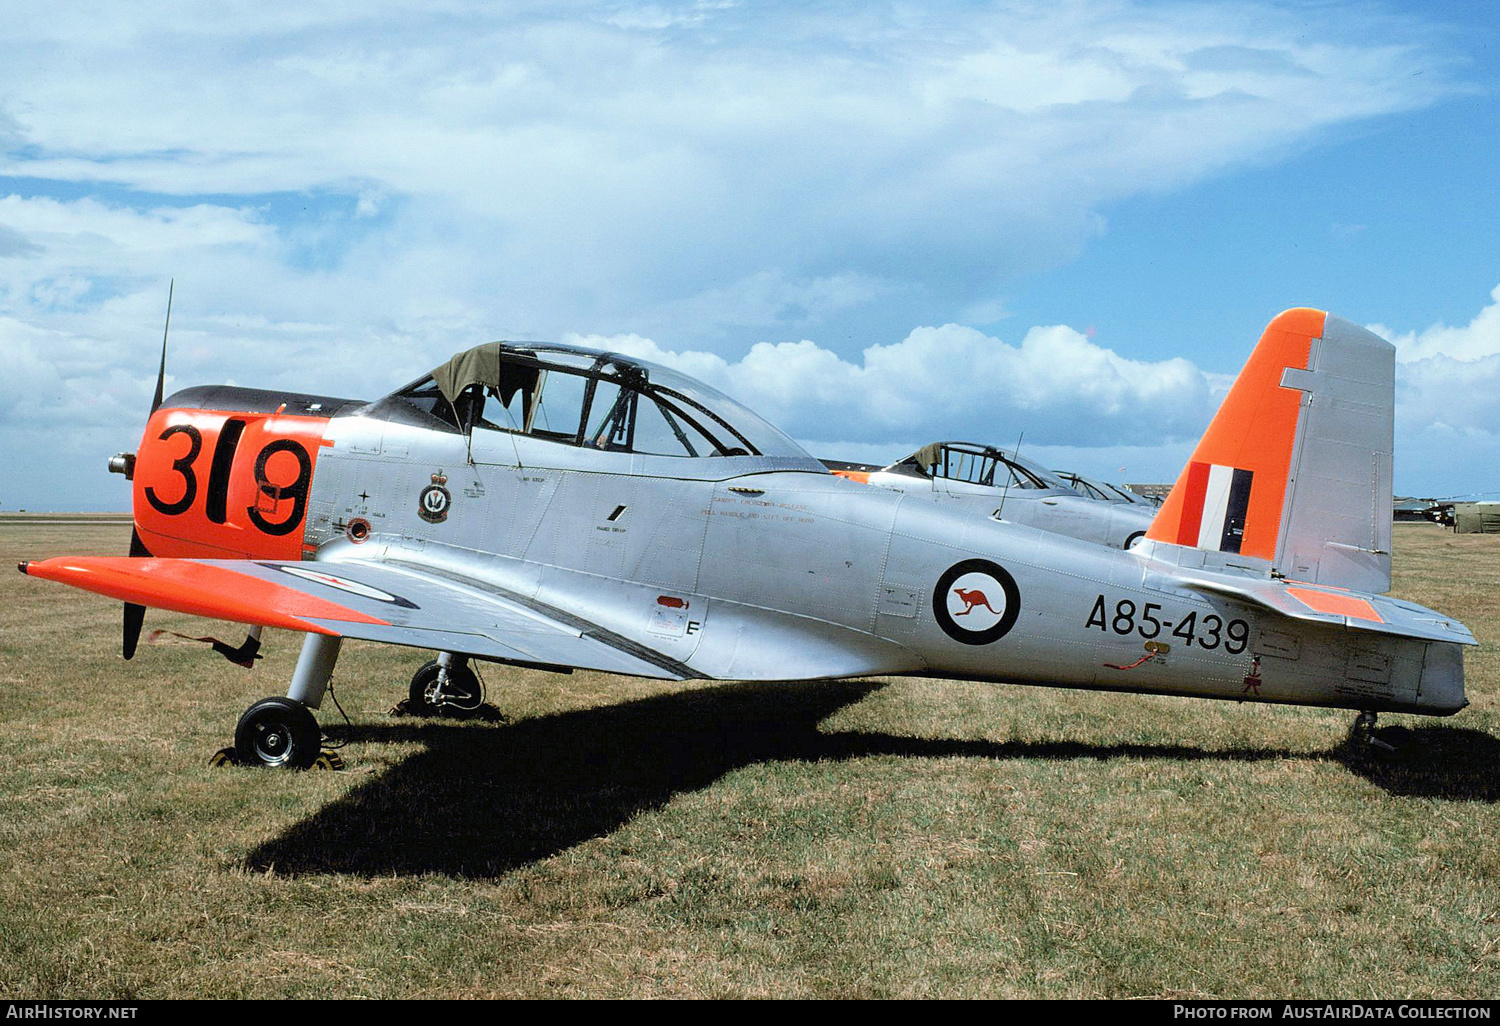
[1137, 536]
[278, 732]
[459, 679]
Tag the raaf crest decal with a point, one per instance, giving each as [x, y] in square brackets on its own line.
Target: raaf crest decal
[976, 602]
[433, 503]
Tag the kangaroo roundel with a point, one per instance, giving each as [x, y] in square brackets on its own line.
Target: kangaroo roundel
[976, 602]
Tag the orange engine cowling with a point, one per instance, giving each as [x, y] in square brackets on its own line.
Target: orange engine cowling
[225, 484]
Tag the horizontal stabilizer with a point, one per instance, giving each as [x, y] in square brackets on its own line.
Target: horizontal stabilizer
[1376, 613]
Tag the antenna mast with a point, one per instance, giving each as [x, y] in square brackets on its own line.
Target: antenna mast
[1009, 473]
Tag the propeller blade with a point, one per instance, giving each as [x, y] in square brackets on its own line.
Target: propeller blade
[161, 372]
[134, 616]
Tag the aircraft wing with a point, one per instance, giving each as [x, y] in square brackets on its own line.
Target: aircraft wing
[372, 602]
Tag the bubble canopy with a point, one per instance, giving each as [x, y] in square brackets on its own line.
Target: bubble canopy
[589, 398]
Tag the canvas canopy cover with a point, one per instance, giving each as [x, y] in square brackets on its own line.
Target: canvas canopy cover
[483, 365]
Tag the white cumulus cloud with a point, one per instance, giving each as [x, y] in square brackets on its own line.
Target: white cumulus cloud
[1477, 339]
[953, 382]
[346, 194]
[1448, 401]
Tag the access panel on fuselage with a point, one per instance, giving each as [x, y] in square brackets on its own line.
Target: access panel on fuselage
[807, 544]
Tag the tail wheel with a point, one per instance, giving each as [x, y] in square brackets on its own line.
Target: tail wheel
[461, 696]
[278, 732]
[1137, 536]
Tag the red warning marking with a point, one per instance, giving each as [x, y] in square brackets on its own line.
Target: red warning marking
[1252, 679]
[1339, 605]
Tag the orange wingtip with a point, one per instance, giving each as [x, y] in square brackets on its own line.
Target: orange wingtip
[201, 589]
[861, 476]
[1338, 605]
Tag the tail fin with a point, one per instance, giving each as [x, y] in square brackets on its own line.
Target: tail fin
[1295, 468]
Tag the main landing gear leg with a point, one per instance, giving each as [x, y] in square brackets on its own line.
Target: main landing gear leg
[314, 669]
[283, 731]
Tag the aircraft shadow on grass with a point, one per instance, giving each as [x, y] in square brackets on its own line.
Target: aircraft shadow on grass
[1455, 763]
[482, 800]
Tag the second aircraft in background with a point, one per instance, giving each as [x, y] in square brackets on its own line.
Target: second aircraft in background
[1005, 486]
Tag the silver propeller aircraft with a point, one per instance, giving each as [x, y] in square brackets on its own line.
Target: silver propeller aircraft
[1006, 486]
[549, 506]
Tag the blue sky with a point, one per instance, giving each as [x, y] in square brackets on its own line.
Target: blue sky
[878, 224]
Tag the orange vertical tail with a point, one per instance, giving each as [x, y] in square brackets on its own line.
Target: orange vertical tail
[1295, 468]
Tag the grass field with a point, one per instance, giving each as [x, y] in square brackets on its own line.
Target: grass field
[625, 838]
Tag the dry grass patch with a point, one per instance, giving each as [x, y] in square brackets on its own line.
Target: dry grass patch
[623, 838]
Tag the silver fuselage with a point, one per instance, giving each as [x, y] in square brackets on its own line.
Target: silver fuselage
[757, 568]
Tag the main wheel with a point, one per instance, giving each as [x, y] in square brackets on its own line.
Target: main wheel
[278, 732]
[461, 696]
